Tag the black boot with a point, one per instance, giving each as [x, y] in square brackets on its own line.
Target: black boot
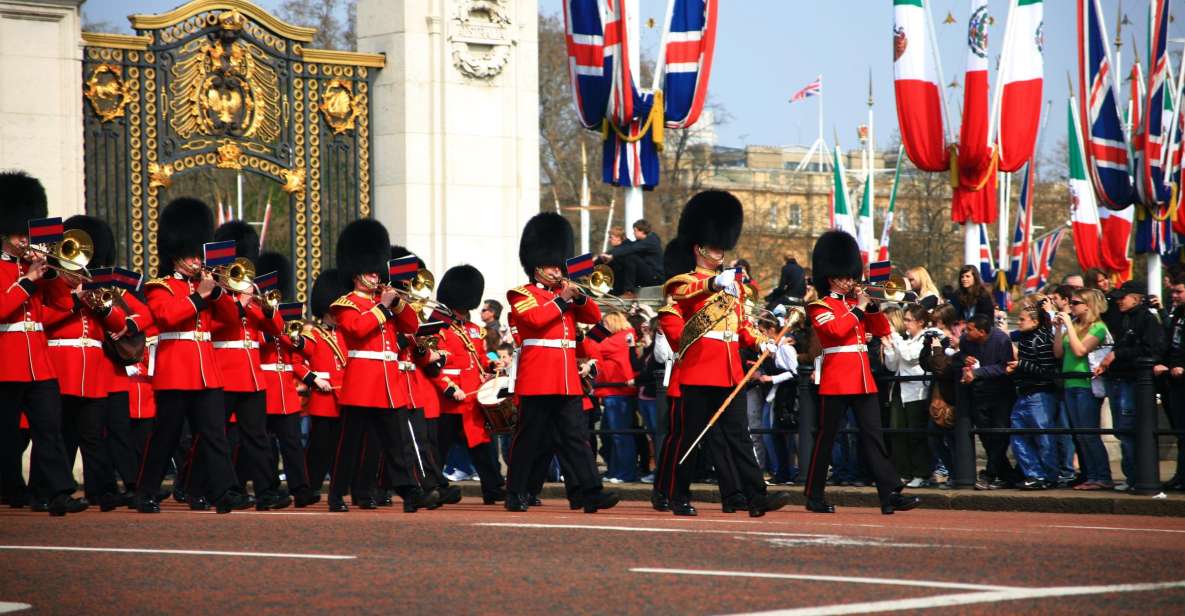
[491, 498]
[110, 502]
[233, 500]
[899, 502]
[197, 503]
[602, 500]
[734, 503]
[450, 495]
[147, 504]
[683, 508]
[338, 506]
[659, 501]
[272, 500]
[819, 506]
[63, 504]
[306, 497]
[515, 502]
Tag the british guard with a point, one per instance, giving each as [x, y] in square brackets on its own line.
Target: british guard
[547, 380]
[715, 328]
[325, 351]
[843, 319]
[187, 380]
[28, 382]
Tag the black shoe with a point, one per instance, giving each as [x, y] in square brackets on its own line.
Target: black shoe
[148, 504]
[533, 501]
[17, 501]
[602, 500]
[819, 506]
[338, 506]
[39, 505]
[899, 502]
[659, 501]
[683, 508]
[365, 503]
[306, 497]
[450, 495]
[491, 498]
[233, 500]
[197, 503]
[770, 501]
[63, 504]
[1033, 483]
[515, 503]
[110, 502]
[734, 503]
[383, 499]
[179, 495]
[128, 499]
[272, 500]
[575, 503]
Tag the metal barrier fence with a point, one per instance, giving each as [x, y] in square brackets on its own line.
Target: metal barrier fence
[963, 467]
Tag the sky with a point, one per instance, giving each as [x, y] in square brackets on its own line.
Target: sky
[768, 49]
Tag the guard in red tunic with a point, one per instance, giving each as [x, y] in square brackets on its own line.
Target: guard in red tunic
[373, 391]
[711, 302]
[187, 380]
[325, 351]
[76, 322]
[466, 367]
[27, 379]
[843, 319]
[238, 328]
[547, 379]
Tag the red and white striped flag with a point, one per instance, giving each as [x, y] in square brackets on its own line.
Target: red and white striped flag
[1021, 76]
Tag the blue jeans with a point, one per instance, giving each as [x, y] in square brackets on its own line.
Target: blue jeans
[1034, 452]
[1123, 418]
[941, 444]
[619, 415]
[1083, 409]
[1063, 444]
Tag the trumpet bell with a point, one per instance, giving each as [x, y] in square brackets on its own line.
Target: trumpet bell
[75, 250]
[238, 276]
[423, 284]
[600, 281]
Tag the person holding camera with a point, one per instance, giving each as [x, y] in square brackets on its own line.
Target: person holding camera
[981, 363]
[911, 454]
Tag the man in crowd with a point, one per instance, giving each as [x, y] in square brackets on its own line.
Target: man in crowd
[984, 351]
[491, 321]
[1074, 281]
[791, 282]
[637, 263]
[1171, 369]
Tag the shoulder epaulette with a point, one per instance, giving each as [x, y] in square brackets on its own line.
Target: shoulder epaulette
[819, 302]
[344, 302]
[671, 310]
[521, 291]
[525, 304]
[160, 282]
[676, 280]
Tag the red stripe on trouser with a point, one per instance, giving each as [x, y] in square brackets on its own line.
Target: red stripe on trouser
[676, 454]
[337, 455]
[810, 471]
[143, 461]
[189, 461]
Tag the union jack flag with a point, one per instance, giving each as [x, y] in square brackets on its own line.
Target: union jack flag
[1150, 176]
[1041, 260]
[1022, 234]
[987, 269]
[592, 46]
[814, 88]
[690, 39]
[1106, 148]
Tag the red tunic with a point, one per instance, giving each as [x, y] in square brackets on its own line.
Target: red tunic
[714, 359]
[464, 370]
[75, 336]
[670, 323]
[22, 335]
[141, 401]
[325, 350]
[282, 367]
[841, 332]
[237, 332]
[546, 324]
[184, 353]
[372, 376]
[613, 364]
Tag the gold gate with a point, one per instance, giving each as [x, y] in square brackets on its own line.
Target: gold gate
[224, 84]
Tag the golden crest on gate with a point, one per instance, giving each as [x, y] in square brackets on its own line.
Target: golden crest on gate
[107, 92]
[340, 106]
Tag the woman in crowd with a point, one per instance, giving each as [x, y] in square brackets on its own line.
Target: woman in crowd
[648, 388]
[944, 332]
[614, 367]
[919, 282]
[1082, 334]
[971, 297]
[779, 372]
[1036, 394]
[911, 399]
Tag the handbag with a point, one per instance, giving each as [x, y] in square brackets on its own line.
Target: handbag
[1094, 359]
[941, 411]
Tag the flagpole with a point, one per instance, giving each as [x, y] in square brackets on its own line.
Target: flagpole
[633, 209]
[872, 240]
[585, 224]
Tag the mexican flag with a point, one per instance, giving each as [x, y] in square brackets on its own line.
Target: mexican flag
[974, 152]
[841, 213]
[1021, 77]
[1084, 212]
[883, 250]
[919, 95]
[865, 236]
[1116, 226]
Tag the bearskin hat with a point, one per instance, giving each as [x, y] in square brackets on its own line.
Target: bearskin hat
[275, 262]
[363, 247]
[461, 288]
[244, 236]
[712, 218]
[326, 289]
[677, 258]
[836, 255]
[185, 224]
[22, 198]
[546, 240]
[100, 233]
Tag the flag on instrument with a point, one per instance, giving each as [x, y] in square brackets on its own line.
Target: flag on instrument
[100, 277]
[880, 271]
[218, 253]
[987, 269]
[126, 279]
[267, 282]
[403, 268]
[814, 88]
[686, 63]
[919, 95]
[841, 212]
[1084, 212]
[46, 230]
[429, 328]
[887, 229]
[1022, 232]
[579, 266]
[1021, 77]
[291, 311]
[598, 333]
[1106, 144]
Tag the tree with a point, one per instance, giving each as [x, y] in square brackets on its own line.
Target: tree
[334, 21]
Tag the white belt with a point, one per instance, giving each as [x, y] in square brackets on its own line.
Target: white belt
[236, 344]
[276, 367]
[407, 366]
[451, 371]
[552, 343]
[847, 348]
[726, 336]
[195, 336]
[321, 375]
[77, 343]
[376, 355]
[23, 326]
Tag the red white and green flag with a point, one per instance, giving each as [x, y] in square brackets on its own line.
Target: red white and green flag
[1084, 211]
[883, 250]
[974, 198]
[841, 211]
[1021, 76]
[917, 88]
[865, 235]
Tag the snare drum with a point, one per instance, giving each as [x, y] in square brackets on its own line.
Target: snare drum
[501, 414]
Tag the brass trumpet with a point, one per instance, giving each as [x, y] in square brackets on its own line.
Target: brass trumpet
[69, 256]
[98, 299]
[294, 328]
[895, 289]
[596, 285]
[418, 295]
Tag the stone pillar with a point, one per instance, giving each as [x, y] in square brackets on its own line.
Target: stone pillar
[41, 97]
[455, 129]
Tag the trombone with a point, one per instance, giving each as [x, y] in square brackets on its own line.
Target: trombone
[895, 289]
[597, 285]
[418, 295]
[71, 254]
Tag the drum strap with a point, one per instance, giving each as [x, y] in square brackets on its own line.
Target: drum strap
[513, 373]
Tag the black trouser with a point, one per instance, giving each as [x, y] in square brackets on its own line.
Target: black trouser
[728, 441]
[42, 403]
[14, 489]
[120, 447]
[205, 410]
[324, 433]
[286, 429]
[683, 426]
[419, 451]
[82, 428]
[911, 452]
[547, 424]
[993, 409]
[386, 425]
[254, 452]
[449, 430]
[866, 408]
[1176, 412]
[664, 471]
[141, 432]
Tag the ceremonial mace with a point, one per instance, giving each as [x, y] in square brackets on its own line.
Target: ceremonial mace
[793, 317]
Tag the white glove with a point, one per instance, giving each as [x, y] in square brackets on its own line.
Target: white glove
[769, 347]
[727, 281]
